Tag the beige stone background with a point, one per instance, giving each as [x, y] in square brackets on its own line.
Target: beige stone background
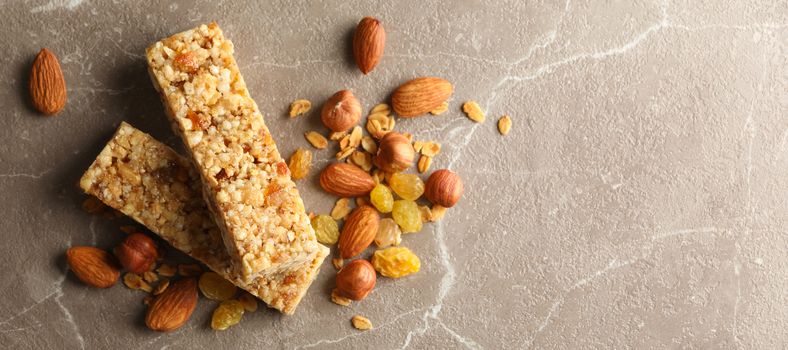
[639, 201]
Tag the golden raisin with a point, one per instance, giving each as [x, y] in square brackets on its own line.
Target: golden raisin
[395, 262]
[407, 186]
[215, 287]
[227, 314]
[381, 198]
[407, 215]
[326, 229]
[388, 233]
[299, 164]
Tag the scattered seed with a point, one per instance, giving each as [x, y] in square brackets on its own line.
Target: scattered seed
[437, 212]
[424, 163]
[189, 270]
[299, 107]
[391, 123]
[339, 300]
[162, 286]
[134, 281]
[344, 143]
[377, 176]
[362, 159]
[338, 263]
[166, 270]
[341, 209]
[345, 153]
[431, 149]
[387, 177]
[361, 201]
[337, 135]
[369, 145]
[316, 140]
[504, 125]
[381, 108]
[473, 111]
[418, 145]
[426, 213]
[355, 137]
[150, 276]
[440, 109]
[361, 323]
[379, 124]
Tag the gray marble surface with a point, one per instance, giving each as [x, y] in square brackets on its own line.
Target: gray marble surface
[639, 201]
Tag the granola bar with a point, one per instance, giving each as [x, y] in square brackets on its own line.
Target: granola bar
[246, 183]
[149, 182]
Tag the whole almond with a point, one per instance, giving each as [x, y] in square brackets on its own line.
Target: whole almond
[95, 267]
[368, 43]
[172, 308]
[420, 95]
[341, 111]
[444, 188]
[359, 231]
[346, 180]
[47, 85]
[356, 279]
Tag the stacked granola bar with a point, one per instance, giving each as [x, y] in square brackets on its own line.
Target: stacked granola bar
[246, 183]
[150, 183]
[232, 204]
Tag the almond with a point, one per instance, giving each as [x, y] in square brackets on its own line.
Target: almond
[341, 111]
[368, 43]
[359, 231]
[444, 188]
[346, 180]
[172, 308]
[420, 95]
[356, 280]
[47, 85]
[95, 267]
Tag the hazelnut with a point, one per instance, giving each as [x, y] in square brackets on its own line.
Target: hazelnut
[444, 188]
[356, 280]
[341, 111]
[395, 153]
[137, 253]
